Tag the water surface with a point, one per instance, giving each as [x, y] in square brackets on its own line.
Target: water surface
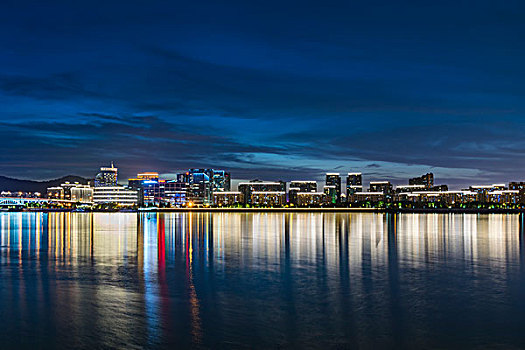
[261, 280]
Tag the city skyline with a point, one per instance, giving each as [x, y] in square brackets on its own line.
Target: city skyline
[265, 90]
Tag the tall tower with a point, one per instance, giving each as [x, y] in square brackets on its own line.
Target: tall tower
[107, 177]
[333, 179]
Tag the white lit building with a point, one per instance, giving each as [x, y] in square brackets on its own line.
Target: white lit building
[115, 194]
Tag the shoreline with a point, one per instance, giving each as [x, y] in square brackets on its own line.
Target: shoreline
[290, 210]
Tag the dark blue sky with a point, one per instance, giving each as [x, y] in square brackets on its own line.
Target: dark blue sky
[266, 89]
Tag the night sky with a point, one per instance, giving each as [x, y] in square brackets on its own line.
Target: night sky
[270, 90]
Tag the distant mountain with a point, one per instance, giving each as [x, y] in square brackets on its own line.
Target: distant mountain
[14, 185]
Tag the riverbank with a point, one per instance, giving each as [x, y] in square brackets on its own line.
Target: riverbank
[291, 210]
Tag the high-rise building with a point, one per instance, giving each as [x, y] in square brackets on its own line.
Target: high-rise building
[333, 179]
[331, 193]
[118, 195]
[311, 199]
[297, 187]
[82, 194]
[227, 198]
[106, 177]
[149, 188]
[221, 180]
[384, 187]
[268, 198]
[260, 186]
[426, 180]
[71, 191]
[175, 192]
[199, 189]
[304, 186]
[108, 191]
[514, 185]
[354, 183]
[482, 191]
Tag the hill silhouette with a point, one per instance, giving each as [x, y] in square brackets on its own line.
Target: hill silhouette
[13, 185]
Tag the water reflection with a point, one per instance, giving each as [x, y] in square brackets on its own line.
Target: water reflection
[261, 280]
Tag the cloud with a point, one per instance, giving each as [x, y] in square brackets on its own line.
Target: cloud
[279, 94]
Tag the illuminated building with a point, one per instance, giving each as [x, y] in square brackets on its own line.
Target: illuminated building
[311, 199]
[82, 193]
[381, 186]
[410, 188]
[516, 185]
[504, 196]
[333, 179]
[300, 186]
[106, 177]
[55, 192]
[115, 194]
[221, 180]
[426, 180]
[354, 179]
[304, 186]
[175, 192]
[71, 191]
[482, 191]
[149, 188]
[268, 198]
[227, 198]
[354, 183]
[449, 198]
[363, 197]
[199, 186]
[247, 188]
[331, 193]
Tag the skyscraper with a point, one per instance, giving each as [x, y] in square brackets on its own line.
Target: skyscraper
[247, 188]
[333, 179]
[354, 183]
[221, 181]
[106, 177]
[426, 180]
[300, 187]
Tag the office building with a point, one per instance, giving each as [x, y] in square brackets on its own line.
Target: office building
[333, 179]
[106, 176]
[354, 183]
[426, 180]
[331, 193]
[72, 192]
[410, 188]
[247, 188]
[149, 188]
[82, 194]
[367, 197]
[227, 198]
[517, 185]
[311, 199]
[118, 195]
[482, 191]
[221, 180]
[381, 186]
[175, 193]
[268, 198]
[300, 186]
[304, 186]
[55, 192]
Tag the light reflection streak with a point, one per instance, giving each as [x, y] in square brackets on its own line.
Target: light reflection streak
[343, 253]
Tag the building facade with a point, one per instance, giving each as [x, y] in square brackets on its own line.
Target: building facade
[268, 198]
[334, 179]
[227, 198]
[247, 188]
[118, 195]
[107, 176]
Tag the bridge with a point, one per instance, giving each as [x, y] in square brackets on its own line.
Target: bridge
[20, 202]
